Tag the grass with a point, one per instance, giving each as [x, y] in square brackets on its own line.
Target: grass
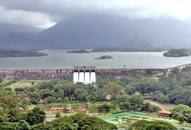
[13, 84]
[123, 120]
[30, 107]
[21, 84]
[7, 82]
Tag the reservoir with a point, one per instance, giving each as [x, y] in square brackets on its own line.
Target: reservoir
[60, 59]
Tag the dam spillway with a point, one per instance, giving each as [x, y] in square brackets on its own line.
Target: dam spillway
[84, 74]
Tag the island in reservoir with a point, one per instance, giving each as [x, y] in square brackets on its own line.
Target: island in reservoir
[177, 53]
[19, 53]
[78, 51]
[104, 57]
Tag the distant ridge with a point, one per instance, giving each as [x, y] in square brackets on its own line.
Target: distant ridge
[95, 31]
[6, 29]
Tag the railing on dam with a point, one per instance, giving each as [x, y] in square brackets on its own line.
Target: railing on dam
[39, 74]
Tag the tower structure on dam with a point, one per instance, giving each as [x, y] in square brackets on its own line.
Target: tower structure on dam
[84, 74]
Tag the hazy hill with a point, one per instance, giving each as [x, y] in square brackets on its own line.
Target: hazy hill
[11, 36]
[96, 31]
[5, 29]
[22, 41]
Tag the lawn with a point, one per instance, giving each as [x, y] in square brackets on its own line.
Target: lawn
[124, 119]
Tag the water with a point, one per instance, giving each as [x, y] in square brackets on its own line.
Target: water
[62, 59]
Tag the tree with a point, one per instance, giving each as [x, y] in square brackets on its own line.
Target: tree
[51, 99]
[9, 101]
[86, 127]
[67, 126]
[58, 114]
[7, 126]
[103, 108]
[132, 102]
[113, 89]
[83, 121]
[151, 125]
[22, 125]
[160, 97]
[136, 101]
[13, 115]
[41, 126]
[1, 80]
[158, 127]
[35, 116]
[1, 119]
[149, 107]
[182, 113]
[180, 96]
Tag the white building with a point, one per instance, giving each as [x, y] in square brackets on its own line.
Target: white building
[84, 74]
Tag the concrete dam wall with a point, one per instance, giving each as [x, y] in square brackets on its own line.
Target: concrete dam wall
[41, 74]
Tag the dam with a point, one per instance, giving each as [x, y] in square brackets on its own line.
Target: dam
[84, 74]
[44, 74]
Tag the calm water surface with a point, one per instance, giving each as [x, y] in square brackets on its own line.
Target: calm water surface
[62, 59]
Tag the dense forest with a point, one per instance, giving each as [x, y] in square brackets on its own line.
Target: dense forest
[114, 94]
[14, 116]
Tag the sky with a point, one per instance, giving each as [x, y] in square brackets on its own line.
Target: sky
[46, 13]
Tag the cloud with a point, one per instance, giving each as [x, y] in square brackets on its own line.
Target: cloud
[21, 17]
[48, 11]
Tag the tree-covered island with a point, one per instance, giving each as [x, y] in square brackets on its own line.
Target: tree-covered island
[177, 53]
[18, 53]
[104, 57]
[78, 51]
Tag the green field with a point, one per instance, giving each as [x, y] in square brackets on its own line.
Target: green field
[124, 119]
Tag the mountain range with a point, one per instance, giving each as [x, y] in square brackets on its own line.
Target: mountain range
[6, 29]
[95, 31]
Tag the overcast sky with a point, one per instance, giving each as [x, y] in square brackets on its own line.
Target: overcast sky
[46, 13]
